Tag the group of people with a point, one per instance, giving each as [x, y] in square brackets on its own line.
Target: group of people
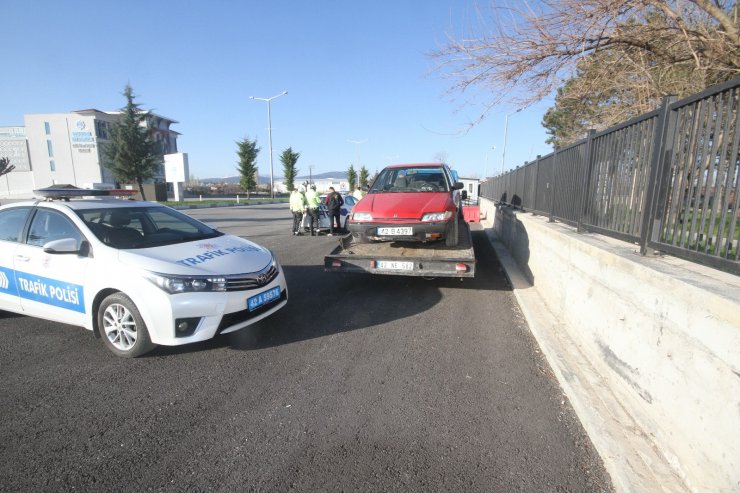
[304, 201]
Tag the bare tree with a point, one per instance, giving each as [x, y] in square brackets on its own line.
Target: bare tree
[441, 157]
[651, 47]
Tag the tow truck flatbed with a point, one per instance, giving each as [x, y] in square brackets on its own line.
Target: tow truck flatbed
[432, 259]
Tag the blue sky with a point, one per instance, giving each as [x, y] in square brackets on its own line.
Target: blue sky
[354, 71]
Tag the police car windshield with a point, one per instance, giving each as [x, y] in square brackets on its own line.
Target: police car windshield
[144, 227]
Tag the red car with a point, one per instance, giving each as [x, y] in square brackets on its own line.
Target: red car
[410, 202]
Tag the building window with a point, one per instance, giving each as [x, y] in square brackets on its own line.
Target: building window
[52, 165]
[47, 128]
[50, 148]
[101, 129]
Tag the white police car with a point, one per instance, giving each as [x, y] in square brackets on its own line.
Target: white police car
[324, 219]
[135, 273]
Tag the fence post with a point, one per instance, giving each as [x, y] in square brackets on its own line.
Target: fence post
[652, 191]
[551, 186]
[535, 194]
[585, 189]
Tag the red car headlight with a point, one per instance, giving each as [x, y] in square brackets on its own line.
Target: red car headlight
[436, 216]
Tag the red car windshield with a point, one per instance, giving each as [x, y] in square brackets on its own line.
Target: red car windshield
[412, 179]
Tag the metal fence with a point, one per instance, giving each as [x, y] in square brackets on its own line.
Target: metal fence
[666, 180]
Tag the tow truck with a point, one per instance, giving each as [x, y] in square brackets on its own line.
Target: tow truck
[410, 223]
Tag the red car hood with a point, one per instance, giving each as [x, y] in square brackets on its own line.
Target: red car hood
[404, 205]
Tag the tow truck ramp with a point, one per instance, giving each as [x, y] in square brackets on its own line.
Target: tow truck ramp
[432, 259]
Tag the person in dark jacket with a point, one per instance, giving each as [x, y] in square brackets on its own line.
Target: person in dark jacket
[334, 203]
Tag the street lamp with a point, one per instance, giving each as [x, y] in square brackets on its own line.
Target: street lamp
[269, 134]
[506, 130]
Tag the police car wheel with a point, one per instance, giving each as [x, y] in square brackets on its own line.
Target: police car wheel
[122, 328]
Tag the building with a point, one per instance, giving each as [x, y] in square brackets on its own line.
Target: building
[340, 184]
[14, 145]
[60, 148]
[471, 185]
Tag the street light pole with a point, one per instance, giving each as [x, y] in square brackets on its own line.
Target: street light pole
[269, 134]
[506, 131]
[357, 143]
[485, 167]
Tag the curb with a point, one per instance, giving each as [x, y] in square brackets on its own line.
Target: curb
[628, 454]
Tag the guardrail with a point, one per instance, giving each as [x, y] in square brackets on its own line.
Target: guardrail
[666, 180]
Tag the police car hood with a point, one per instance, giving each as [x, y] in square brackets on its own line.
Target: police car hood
[224, 255]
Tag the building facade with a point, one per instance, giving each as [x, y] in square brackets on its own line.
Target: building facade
[340, 184]
[14, 145]
[65, 148]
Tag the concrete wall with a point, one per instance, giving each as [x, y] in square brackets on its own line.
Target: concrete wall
[663, 334]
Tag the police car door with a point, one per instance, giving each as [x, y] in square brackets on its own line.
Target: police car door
[50, 285]
[12, 222]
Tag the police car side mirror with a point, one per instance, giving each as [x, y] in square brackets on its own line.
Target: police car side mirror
[63, 246]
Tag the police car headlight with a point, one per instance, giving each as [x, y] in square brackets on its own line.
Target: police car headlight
[436, 216]
[362, 216]
[187, 284]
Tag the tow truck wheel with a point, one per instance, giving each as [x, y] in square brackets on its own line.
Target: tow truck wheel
[451, 233]
[122, 328]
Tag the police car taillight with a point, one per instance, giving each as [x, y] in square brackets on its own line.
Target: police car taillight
[460, 267]
[336, 264]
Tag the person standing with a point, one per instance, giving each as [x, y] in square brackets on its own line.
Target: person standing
[297, 206]
[358, 193]
[334, 203]
[313, 201]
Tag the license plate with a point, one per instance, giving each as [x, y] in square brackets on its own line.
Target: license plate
[395, 265]
[395, 231]
[258, 300]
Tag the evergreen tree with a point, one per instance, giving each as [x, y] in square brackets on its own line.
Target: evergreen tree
[352, 177]
[131, 154]
[364, 175]
[247, 151]
[289, 160]
[5, 166]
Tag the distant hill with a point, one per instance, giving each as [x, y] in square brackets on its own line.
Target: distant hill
[265, 180]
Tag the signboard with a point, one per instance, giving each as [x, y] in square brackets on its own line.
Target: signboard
[176, 171]
[176, 167]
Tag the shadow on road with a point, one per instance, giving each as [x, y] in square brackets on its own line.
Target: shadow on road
[326, 303]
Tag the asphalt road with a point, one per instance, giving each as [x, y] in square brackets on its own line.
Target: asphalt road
[360, 383]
